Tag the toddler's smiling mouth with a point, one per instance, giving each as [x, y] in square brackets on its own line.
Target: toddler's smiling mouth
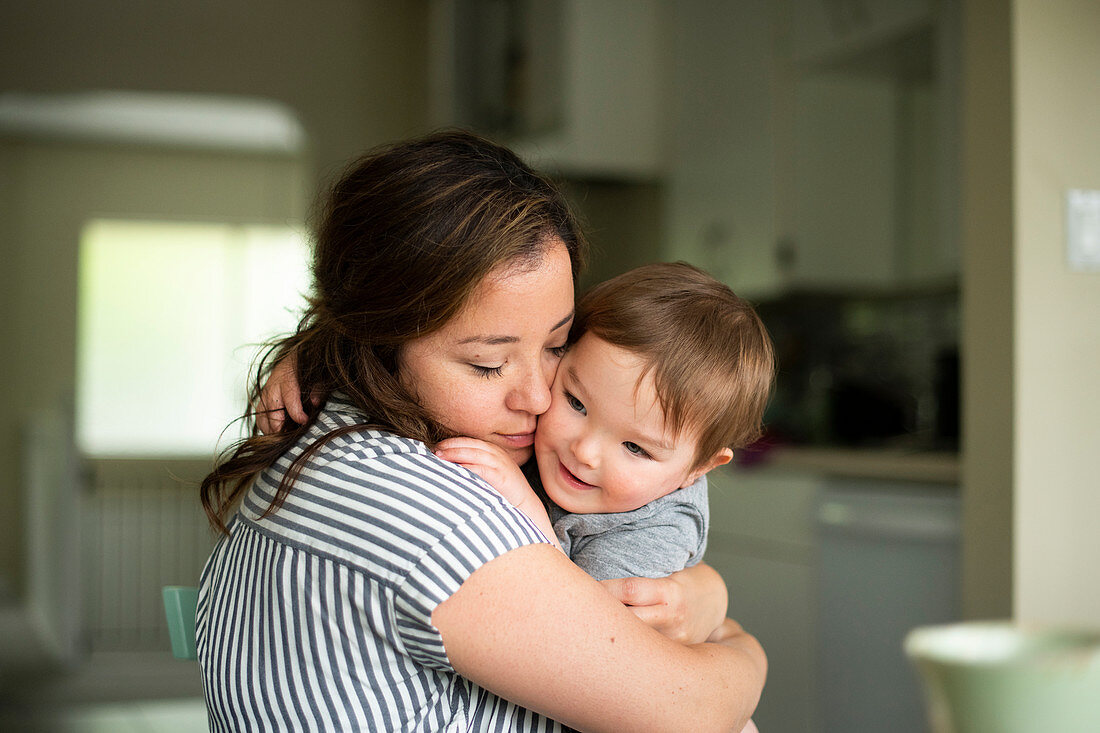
[571, 478]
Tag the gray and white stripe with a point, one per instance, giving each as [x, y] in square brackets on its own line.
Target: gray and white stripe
[318, 617]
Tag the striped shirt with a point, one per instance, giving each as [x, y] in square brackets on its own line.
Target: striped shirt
[318, 616]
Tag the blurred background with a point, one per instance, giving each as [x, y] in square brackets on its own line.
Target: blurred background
[907, 189]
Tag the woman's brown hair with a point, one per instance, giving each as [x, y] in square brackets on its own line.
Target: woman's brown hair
[404, 237]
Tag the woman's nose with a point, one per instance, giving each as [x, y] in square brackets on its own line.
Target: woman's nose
[532, 393]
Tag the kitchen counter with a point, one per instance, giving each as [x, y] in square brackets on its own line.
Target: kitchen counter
[878, 463]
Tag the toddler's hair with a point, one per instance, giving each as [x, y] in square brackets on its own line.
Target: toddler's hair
[712, 360]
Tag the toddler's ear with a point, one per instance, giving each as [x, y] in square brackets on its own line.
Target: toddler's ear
[720, 458]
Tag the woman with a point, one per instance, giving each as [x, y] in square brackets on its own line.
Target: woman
[366, 584]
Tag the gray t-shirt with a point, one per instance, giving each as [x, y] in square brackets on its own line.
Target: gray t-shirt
[653, 541]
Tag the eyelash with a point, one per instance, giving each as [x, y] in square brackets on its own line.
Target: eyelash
[641, 453]
[487, 372]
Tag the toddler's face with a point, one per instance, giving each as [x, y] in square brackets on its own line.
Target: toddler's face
[602, 446]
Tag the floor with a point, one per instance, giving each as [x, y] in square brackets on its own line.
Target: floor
[117, 693]
[147, 716]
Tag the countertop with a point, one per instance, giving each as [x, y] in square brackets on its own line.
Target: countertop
[878, 463]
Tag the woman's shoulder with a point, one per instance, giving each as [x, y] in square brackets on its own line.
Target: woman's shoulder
[368, 493]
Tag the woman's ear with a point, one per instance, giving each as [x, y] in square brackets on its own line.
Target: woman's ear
[720, 458]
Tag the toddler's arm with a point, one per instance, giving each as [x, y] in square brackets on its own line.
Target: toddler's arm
[501, 472]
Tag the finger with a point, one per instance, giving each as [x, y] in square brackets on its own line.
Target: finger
[459, 454]
[653, 617]
[661, 618]
[637, 591]
[269, 422]
[487, 473]
[466, 442]
[449, 443]
[292, 403]
[269, 412]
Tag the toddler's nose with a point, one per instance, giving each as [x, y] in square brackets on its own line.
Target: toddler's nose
[586, 450]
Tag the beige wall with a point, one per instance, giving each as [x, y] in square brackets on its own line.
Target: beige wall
[1057, 312]
[1032, 346]
[987, 338]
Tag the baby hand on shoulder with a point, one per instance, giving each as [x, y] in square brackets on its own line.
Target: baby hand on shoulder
[491, 463]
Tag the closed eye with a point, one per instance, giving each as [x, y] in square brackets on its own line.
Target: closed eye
[487, 372]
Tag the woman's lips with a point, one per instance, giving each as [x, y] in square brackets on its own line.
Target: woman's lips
[571, 479]
[518, 440]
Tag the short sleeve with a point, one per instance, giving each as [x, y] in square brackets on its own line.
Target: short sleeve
[654, 546]
[444, 567]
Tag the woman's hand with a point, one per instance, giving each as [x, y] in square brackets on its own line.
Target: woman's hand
[687, 606]
[281, 396]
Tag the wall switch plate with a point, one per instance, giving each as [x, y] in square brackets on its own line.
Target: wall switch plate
[1083, 230]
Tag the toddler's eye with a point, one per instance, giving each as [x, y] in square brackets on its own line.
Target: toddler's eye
[575, 404]
[635, 449]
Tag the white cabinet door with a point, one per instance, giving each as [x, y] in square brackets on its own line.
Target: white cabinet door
[846, 182]
[774, 600]
[724, 142]
[612, 91]
[762, 543]
[574, 86]
[826, 30]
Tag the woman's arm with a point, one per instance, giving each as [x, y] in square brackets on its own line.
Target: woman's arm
[686, 606]
[535, 629]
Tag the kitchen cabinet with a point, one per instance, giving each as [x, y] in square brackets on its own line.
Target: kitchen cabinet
[575, 87]
[825, 30]
[762, 542]
[725, 142]
[815, 171]
[889, 562]
[875, 152]
[846, 166]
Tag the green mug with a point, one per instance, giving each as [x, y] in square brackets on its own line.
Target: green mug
[1002, 677]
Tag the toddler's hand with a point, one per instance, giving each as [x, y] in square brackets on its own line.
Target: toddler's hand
[490, 463]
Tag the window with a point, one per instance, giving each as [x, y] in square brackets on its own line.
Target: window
[171, 315]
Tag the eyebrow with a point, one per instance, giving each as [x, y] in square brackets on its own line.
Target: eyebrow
[495, 340]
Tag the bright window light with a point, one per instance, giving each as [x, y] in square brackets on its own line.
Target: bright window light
[171, 316]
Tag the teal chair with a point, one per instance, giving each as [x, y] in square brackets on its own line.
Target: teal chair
[180, 602]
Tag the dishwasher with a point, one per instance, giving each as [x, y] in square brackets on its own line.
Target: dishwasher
[889, 556]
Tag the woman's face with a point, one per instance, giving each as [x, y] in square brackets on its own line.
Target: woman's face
[487, 373]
